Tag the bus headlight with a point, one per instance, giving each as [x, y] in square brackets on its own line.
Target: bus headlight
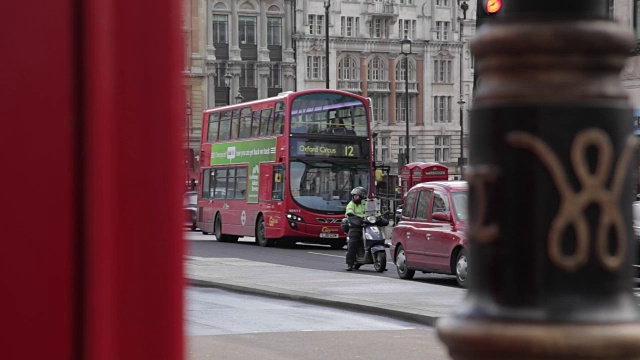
[293, 220]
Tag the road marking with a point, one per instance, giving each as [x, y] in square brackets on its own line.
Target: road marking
[315, 253]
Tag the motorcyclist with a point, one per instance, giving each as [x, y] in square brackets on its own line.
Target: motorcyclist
[355, 213]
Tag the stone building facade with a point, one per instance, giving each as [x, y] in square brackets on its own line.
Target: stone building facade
[267, 46]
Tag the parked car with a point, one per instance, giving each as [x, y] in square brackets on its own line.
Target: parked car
[190, 206]
[431, 234]
[636, 230]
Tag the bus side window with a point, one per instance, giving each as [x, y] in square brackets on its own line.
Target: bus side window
[235, 124]
[277, 189]
[231, 184]
[255, 124]
[223, 134]
[265, 124]
[245, 123]
[220, 189]
[278, 119]
[206, 186]
[212, 132]
[241, 183]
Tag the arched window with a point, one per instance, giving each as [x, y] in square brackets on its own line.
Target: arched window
[400, 71]
[348, 69]
[376, 70]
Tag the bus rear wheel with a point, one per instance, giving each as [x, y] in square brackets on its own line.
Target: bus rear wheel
[260, 234]
[217, 229]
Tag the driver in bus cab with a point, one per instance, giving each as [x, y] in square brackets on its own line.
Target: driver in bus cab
[355, 213]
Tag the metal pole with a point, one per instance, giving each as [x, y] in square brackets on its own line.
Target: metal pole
[550, 239]
[326, 42]
[406, 108]
[461, 101]
[229, 94]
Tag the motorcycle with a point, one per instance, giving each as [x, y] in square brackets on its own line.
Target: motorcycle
[373, 249]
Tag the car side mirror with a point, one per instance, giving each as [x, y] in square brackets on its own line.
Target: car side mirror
[440, 216]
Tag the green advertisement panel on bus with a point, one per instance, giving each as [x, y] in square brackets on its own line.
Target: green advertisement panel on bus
[252, 152]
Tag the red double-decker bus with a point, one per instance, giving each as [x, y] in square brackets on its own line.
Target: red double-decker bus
[282, 169]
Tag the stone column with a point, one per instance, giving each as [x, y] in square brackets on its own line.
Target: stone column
[287, 44]
[211, 90]
[363, 73]
[549, 230]
[263, 50]
[420, 87]
[392, 94]
[234, 47]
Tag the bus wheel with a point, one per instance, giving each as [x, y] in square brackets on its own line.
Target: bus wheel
[217, 229]
[260, 238]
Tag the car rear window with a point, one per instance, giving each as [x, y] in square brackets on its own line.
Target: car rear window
[408, 205]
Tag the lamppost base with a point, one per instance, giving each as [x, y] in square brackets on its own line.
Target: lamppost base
[472, 339]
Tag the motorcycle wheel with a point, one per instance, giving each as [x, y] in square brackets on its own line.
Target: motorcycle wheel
[380, 261]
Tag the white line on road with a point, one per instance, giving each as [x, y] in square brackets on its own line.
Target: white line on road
[315, 253]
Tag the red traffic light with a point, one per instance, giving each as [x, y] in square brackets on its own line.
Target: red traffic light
[492, 6]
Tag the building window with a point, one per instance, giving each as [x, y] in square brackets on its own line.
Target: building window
[442, 2]
[347, 69]
[248, 75]
[442, 71]
[442, 148]
[401, 102]
[378, 28]
[377, 104]
[376, 70]
[400, 71]
[442, 30]
[315, 67]
[407, 28]
[442, 109]
[220, 23]
[274, 31]
[382, 148]
[350, 26]
[412, 146]
[275, 76]
[316, 24]
[247, 25]
[221, 71]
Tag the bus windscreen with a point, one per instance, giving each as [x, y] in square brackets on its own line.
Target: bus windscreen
[328, 113]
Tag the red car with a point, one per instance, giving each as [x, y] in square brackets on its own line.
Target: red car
[431, 234]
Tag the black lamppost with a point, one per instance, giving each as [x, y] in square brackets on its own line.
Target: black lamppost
[227, 82]
[327, 5]
[464, 7]
[239, 98]
[405, 49]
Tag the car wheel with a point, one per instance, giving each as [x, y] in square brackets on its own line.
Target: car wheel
[217, 229]
[380, 261]
[462, 268]
[338, 244]
[401, 265]
[260, 237]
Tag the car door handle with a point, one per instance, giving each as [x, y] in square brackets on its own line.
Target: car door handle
[408, 234]
[428, 236]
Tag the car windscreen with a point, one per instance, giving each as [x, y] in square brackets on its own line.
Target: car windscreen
[460, 209]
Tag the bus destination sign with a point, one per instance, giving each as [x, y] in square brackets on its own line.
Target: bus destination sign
[314, 148]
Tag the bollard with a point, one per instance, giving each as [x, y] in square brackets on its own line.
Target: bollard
[550, 190]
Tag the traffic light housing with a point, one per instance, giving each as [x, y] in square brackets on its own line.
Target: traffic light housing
[486, 11]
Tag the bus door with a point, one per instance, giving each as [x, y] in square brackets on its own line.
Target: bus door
[271, 195]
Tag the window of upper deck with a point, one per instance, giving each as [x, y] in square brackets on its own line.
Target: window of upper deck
[328, 114]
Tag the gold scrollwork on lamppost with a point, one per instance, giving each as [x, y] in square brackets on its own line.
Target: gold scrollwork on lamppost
[479, 177]
[593, 190]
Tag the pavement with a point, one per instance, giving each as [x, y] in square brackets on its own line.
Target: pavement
[400, 299]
